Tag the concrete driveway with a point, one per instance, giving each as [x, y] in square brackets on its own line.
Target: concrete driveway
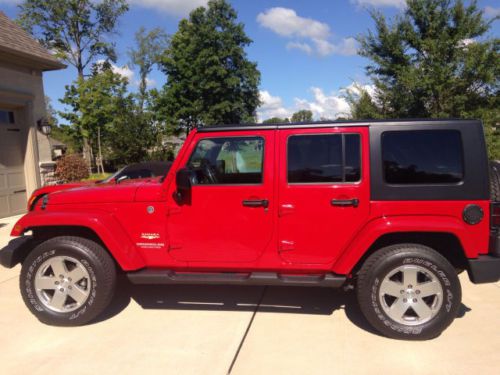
[242, 330]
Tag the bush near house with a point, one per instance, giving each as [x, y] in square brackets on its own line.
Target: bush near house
[71, 168]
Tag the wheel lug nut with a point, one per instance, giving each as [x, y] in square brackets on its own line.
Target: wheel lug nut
[418, 292]
[410, 286]
[69, 287]
[61, 276]
[414, 300]
[405, 300]
[69, 279]
[402, 291]
[61, 289]
[57, 283]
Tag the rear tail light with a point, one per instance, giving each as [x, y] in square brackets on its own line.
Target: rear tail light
[495, 215]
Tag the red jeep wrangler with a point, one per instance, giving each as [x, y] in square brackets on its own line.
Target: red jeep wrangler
[395, 208]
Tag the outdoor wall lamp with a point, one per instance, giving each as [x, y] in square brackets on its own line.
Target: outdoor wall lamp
[44, 126]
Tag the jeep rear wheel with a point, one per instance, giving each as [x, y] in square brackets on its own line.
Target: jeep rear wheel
[408, 291]
[67, 281]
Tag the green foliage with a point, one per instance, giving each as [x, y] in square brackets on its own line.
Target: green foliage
[147, 53]
[100, 106]
[71, 168]
[362, 105]
[435, 60]
[76, 30]
[302, 116]
[209, 78]
[276, 120]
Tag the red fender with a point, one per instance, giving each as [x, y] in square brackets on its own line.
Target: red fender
[107, 228]
[394, 224]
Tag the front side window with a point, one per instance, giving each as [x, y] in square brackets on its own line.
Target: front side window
[230, 160]
[422, 157]
[324, 158]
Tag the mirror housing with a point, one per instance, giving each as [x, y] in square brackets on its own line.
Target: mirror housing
[184, 180]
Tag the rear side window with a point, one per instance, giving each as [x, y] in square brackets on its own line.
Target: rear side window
[229, 160]
[324, 158]
[422, 157]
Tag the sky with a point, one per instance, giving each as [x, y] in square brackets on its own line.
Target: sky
[305, 50]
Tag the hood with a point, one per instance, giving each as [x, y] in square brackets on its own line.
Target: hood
[116, 193]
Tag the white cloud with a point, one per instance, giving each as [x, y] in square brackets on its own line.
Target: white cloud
[323, 105]
[124, 71]
[272, 106]
[308, 35]
[326, 106]
[150, 82]
[380, 3]
[304, 47]
[173, 7]
[491, 12]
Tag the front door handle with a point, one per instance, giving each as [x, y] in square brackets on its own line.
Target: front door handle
[345, 202]
[256, 203]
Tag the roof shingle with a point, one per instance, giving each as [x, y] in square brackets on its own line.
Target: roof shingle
[16, 41]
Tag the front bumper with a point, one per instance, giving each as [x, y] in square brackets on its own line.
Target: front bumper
[15, 251]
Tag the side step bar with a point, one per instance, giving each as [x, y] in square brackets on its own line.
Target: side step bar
[153, 276]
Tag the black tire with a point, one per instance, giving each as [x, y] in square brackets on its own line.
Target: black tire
[385, 262]
[98, 283]
[495, 181]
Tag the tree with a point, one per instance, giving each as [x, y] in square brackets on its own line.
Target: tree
[96, 105]
[303, 115]
[362, 105]
[435, 60]
[76, 30]
[150, 47]
[276, 120]
[209, 77]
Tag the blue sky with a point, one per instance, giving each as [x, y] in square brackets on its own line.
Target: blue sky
[304, 49]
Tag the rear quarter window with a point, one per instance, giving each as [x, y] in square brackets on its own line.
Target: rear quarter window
[422, 157]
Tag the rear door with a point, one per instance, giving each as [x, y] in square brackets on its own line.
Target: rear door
[323, 192]
[229, 217]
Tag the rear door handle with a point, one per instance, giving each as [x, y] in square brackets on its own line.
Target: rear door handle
[345, 202]
[256, 203]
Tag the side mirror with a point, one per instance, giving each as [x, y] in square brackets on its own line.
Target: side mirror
[184, 181]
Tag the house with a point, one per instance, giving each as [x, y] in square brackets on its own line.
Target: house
[23, 145]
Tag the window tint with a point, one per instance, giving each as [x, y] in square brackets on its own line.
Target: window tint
[422, 157]
[235, 160]
[6, 117]
[324, 158]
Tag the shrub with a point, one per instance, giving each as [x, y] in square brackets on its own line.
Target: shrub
[71, 168]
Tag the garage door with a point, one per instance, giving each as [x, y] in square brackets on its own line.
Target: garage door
[12, 150]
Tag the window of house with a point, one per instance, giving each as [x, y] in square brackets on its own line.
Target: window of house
[6, 117]
[422, 157]
[324, 158]
[229, 160]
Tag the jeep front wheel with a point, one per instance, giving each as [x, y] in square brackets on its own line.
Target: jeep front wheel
[408, 291]
[67, 281]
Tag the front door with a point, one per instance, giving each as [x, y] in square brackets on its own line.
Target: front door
[13, 140]
[323, 192]
[229, 216]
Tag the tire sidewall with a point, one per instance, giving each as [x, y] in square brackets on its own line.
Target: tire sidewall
[32, 265]
[446, 276]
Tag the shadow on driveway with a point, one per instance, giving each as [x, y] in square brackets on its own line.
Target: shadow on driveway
[294, 300]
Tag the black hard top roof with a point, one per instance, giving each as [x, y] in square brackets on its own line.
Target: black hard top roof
[330, 124]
